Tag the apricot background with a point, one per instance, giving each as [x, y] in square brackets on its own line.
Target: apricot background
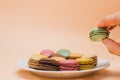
[29, 26]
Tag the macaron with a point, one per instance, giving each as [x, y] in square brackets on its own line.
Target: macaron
[93, 56]
[48, 64]
[68, 65]
[64, 52]
[98, 34]
[58, 58]
[75, 55]
[38, 56]
[33, 61]
[47, 52]
[85, 63]
[56, 55]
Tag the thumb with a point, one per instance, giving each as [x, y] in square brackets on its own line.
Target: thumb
[112, 46]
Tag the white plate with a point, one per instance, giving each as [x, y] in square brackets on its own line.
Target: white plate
[64, 74]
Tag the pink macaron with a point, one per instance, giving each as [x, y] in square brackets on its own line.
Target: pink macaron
[47, 52]
[67, 65]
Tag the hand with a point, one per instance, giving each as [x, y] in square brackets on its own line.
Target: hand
[111, 22]
[112, 46]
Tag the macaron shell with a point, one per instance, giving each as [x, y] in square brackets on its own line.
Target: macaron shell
[75, 55]
[68, 65]
[47, 52]
[56, 55]
[93, 56]
[98, 37]
[62, 68]
[64, 52]
[85, 60]
[33, 61]
[85, 67]
[38, 56]
[69, 62]
[98, 34]
[58, 58]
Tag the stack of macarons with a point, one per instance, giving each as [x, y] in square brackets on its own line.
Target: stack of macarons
[61, 60]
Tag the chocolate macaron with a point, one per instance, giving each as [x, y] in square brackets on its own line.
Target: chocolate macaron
[48, 64]
[33, 61]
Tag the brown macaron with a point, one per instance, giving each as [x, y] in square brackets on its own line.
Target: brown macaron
[33, 61]
[48, 64]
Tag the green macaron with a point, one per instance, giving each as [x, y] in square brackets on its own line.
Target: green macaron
[98, 34]
[64, 52]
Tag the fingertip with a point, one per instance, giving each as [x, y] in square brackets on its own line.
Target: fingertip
[98, 24]
[101, 24]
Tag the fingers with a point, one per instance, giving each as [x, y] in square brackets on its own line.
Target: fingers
[109, 22]
[112, 46]
[102, 23]
[111, 27]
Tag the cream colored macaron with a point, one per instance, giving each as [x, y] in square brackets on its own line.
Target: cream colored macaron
[75, 55]
[58, 58]
[38, 56]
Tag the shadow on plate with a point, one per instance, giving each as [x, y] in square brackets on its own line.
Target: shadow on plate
[94, 76]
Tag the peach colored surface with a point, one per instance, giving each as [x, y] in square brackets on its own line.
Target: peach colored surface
[28, 26]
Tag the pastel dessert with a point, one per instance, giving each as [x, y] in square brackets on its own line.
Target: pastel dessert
[48, 64]
[33, 61]
[85, 63]
[64, 52]
[68, 65]
[75, 55]
[62, 60]
[56, 55]
[93, 56]
[47, 52]
[58, 58]
[98, 34]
